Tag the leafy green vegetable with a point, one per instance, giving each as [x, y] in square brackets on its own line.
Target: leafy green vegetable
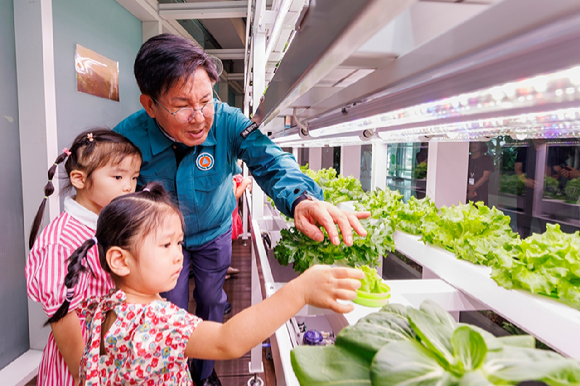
[407, 363]
[302, 252]
[552, 188]
[512, 184]
[329, 365]
[336, 188]
[420, 171]
[572, 190]
[374, 331]
[406, 347]
[381, 203]
[526, 341]
[411, 216]
[371, 282]
[547, 264]
[471, 231]
[468, 347]
[436, 337]
[512, 365]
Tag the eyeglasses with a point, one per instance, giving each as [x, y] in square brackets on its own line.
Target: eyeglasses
[186, 114]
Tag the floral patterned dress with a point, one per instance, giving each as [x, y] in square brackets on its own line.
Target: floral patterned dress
[144, 346]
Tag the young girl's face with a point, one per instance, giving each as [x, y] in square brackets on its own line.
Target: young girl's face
[109, 182]
[159, 258]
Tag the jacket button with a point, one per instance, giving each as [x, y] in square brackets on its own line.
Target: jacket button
[296, 191]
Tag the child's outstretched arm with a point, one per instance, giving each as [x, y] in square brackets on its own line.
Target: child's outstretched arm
[319, 286]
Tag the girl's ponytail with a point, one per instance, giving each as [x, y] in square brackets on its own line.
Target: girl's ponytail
[75, 269]
[48, 190]
[155, 192]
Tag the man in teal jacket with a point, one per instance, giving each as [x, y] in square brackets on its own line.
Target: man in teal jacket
[191, 143]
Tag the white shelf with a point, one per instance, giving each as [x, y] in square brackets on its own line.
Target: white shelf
[552, 322]
[410, 293]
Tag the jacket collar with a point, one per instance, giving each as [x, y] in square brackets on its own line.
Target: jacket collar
[160, 140]
[79, 212]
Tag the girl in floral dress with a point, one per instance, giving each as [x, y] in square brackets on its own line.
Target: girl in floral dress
[100, 165]
[136, 337]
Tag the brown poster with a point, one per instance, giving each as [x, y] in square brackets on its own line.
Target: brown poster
[96, 75]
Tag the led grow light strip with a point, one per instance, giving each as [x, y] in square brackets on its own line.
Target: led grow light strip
[293, 137]
[562, 123]
[350, 141]
[560, 86]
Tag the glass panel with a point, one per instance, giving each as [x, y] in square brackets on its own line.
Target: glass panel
[515, 162]
[481, 172]
[407, 169]
[528, 181]
[561, 190]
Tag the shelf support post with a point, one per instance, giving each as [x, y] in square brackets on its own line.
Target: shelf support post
[350, 161]
[380, 166]
[447, 172]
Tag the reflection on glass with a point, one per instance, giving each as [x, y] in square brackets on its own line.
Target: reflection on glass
[479, 170]
[561, 193]
[539, 183]
[519, 183]
[407, 169]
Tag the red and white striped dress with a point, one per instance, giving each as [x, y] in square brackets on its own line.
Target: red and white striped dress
[45, 272]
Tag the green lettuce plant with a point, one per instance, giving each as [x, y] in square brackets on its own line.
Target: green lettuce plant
[471, 231]
[336, 188]
[371, 282]
[512, 184]
[381, 203]
[411, 216]
[551, 188]
[302, 252]
[572, 190]
[546, 264]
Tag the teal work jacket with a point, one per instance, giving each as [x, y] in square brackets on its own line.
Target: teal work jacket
[202, 185]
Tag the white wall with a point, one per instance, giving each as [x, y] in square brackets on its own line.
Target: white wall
[13, 303]
[107, 28]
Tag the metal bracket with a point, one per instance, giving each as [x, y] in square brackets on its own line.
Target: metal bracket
[302, 128]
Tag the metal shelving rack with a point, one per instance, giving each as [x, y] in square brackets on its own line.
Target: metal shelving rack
[345, 72]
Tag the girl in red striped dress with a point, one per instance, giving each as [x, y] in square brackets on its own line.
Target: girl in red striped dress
[100, 166]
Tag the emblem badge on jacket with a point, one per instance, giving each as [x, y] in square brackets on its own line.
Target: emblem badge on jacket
[204, 161]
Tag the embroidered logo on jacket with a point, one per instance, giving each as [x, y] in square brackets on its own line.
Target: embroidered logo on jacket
[248, 130]
[204, 161]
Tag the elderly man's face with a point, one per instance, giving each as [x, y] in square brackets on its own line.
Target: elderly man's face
[194, 93]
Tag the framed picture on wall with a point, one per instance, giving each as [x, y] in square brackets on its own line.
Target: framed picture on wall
[96, 74]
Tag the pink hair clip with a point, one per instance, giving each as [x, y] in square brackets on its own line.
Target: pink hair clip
[67, 151]
[90, 137]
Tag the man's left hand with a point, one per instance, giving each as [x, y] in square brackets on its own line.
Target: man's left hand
[471, 193]
[309, 214]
